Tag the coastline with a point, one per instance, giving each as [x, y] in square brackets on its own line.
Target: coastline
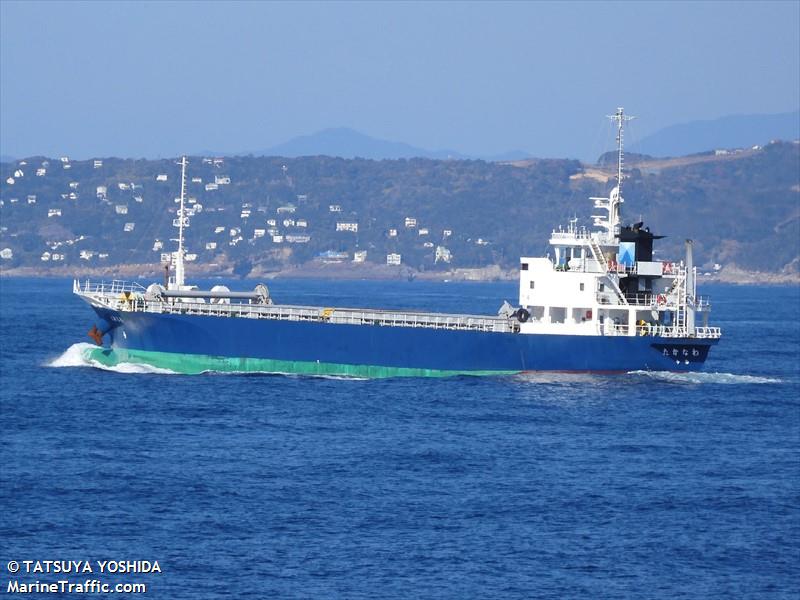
[361, 271]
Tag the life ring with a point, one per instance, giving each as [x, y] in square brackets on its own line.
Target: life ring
[667, 267]
[662, 299]
[523, 315]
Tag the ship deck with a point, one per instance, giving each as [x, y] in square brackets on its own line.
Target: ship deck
[130, 297]
[127, 297]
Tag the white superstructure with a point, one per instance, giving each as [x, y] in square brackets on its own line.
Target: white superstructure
[604, 281]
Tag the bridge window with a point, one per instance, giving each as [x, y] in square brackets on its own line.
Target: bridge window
[524, 266]
[531, 285]
[581, 287]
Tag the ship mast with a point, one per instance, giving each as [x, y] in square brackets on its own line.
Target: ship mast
[616, 195]
[620, 117]
[179, 272]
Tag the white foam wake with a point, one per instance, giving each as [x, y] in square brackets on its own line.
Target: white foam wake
[77, 355]
[74, 356]
[700, 377]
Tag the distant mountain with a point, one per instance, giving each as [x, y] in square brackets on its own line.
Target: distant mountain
[348, 143]
[737, 131]
[344, 142]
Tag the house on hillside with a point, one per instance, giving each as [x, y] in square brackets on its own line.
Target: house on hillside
[298, 239]
[333, 257]
[442, 255]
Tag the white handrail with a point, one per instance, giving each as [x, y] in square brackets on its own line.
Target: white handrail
[112, 295]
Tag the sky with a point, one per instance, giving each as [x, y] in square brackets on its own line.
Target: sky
[157, 79]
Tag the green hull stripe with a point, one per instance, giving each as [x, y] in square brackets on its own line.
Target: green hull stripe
[192, 364]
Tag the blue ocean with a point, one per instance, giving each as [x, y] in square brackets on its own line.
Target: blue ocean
[643, 485]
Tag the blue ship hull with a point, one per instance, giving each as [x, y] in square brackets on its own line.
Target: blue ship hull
[196, 343]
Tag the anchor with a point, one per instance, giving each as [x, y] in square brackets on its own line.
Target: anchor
[96, 335]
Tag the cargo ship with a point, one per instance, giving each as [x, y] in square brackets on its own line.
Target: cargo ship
[599, 302]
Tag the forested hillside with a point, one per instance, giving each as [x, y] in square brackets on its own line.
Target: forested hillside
[272, 213]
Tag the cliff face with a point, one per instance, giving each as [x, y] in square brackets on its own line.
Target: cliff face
[257, 214]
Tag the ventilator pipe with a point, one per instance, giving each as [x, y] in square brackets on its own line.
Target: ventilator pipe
[689, 288]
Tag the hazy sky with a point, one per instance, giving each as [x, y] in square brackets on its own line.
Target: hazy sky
[150, 79]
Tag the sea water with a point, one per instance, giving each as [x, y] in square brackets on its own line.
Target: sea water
[644, 485]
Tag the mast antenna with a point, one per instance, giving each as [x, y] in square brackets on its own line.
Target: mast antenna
[179, 273]
[620, 118]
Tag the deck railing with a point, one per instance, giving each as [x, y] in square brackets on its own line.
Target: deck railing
[114, 298]
[650, 300]
[115, 286]
[571, 235]
[668, 331]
